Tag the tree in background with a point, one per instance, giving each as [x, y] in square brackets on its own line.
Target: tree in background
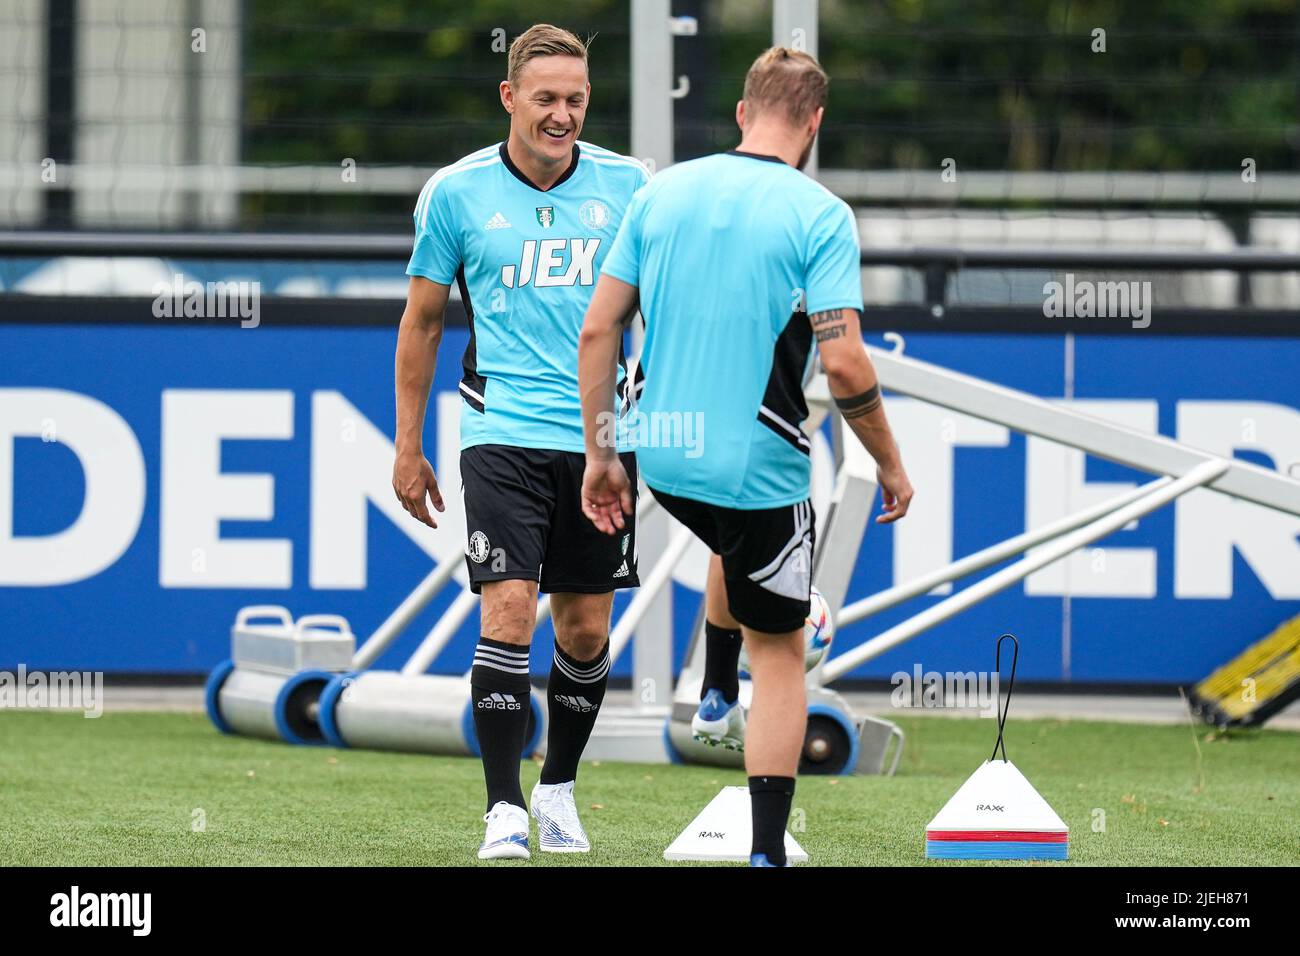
[1181, 85]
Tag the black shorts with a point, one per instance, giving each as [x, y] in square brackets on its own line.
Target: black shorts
[766, 557]
[524, 521]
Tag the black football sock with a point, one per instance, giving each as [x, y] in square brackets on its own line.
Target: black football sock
[721, 654]
[499, 692]
[769, 800]
[573, 696]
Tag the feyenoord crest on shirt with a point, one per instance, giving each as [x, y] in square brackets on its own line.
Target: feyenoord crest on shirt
[594, 214]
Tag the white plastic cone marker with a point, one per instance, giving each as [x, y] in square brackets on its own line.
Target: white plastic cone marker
[724, 830]
[997, 815]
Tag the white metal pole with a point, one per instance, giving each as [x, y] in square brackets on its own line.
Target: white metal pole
[1052, 420]
[660, 577]
[1001, 580]
[652, 143]
[648, 505]
[414, 603]
[652, 83]
[883, 600]
[443, 631]
[794, 24]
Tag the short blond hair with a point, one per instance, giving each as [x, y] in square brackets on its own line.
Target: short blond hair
[787, 80]
[541, 39]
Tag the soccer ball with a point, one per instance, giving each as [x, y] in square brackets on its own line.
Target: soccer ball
[818, 632]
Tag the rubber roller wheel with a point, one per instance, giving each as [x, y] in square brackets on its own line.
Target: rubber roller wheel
[297, 707]
[826, 747]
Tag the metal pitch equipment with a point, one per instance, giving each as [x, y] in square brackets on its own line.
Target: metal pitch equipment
[271, 684]
[1181, 468]
[1261, 681]
[838, 741]
[305, 683]
[302, 683]
[413, 710]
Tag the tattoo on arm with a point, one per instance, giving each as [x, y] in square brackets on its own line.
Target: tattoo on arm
[829, 325]
[860, 405]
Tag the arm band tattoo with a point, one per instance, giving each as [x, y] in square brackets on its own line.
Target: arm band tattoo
[860, 405]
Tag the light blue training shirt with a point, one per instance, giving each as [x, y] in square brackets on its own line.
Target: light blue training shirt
[526, 261]
[731, 254]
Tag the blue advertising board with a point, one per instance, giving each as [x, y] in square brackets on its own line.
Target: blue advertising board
[156, 478]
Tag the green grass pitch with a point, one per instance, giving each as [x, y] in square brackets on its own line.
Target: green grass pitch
[133, 789]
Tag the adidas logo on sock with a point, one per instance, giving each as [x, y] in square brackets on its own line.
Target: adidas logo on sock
[499, 702]
[497, 221]
[580, 704]
[623, 571]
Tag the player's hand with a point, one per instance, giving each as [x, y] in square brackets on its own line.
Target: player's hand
[607, 494]
[895, 492]
[413, 480]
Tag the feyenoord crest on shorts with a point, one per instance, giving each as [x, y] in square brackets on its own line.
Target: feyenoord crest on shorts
[997, 814]
[478, 547]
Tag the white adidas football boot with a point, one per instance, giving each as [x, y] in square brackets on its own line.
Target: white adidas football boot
[558, 828]
[507, 833]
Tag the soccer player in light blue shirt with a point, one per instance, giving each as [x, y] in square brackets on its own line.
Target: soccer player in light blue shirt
[738, 262]
[522, 227]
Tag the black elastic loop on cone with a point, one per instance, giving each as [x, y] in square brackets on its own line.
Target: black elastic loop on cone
[1004, 708]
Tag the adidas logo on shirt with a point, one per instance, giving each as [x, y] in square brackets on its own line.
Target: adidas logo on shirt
[580, 704]
[499, 702]
[498, 221]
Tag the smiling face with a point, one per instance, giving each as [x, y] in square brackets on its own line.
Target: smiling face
[547, 105]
